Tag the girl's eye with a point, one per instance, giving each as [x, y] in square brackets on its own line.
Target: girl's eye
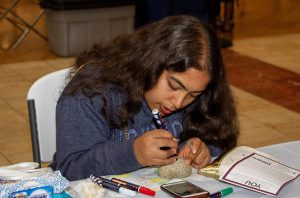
[195, 95]
[172, 86]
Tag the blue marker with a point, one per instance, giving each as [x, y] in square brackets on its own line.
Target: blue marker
[110, 185]
[161, 125]
[158, 119]
[222, 193]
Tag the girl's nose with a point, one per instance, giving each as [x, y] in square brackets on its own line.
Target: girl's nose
[178, 101]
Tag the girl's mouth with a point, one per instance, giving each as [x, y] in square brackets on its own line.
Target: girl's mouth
[164, 110]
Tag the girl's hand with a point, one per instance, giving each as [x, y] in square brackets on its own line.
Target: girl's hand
[147, 148]
[196, 153]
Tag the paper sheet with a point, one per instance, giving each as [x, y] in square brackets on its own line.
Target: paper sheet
[259, 173]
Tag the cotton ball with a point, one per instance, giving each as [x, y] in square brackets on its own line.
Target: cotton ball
[178, 169]
[88, 189]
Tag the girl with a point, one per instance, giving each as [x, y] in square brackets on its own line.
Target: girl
[104, 120]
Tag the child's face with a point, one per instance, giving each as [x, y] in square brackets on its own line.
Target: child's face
[176, 90]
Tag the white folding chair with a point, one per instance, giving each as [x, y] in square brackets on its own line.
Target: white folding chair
[41, 100]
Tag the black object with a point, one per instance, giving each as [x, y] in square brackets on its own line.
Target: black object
[82, 4]
[34, 132]
[224, 43]
[184, 189]
[148, 11]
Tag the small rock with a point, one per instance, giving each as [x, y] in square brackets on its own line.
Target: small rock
[176, 170]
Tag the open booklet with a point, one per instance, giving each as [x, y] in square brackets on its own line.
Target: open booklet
[252, 169]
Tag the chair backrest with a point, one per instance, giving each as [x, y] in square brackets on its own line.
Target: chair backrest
[41, 99]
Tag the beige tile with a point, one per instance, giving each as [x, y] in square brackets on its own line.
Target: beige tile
[20, 157]
[20, 143]
[8, 75]
[61, 63]
[3, 160]
[254, 108]
[261, 136]
[32, 71]
[277, 117]
[35, 70]
[12, 137]
[11, 121]
[262, 110]
[282, 51]
[14, 134]
[14, 89]
[247, 123]
[242, 96]
[291, 130]
[16, 99]
[17, 149]
[264, 123]
[3, 105]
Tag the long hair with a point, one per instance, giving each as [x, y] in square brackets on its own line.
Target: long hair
[134, 62]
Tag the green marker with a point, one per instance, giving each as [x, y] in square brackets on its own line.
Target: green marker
[222, 193]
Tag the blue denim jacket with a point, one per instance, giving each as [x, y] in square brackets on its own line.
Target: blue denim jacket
[87, 145]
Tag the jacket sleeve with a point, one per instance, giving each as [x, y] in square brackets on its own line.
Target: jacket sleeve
[214, 151]
[84, 143]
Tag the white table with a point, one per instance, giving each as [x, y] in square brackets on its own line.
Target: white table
[289, 153]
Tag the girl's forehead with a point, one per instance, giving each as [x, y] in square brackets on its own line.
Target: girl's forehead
[194, 80]
[190, 72]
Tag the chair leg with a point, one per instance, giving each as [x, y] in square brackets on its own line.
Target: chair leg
[34, 132]
[29, 28]
[21, 22]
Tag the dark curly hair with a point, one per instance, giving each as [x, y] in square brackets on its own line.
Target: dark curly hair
[134, 62]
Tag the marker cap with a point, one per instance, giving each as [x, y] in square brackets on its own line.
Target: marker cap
[155, 111]
[226, 191]
[127, 192]
[147, 191]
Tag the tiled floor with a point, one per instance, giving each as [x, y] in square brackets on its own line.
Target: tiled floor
[269, 81]
[263, 69]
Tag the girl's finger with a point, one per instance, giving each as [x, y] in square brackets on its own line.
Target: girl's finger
[202, 164]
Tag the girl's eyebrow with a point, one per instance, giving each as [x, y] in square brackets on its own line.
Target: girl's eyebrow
[182, 85]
